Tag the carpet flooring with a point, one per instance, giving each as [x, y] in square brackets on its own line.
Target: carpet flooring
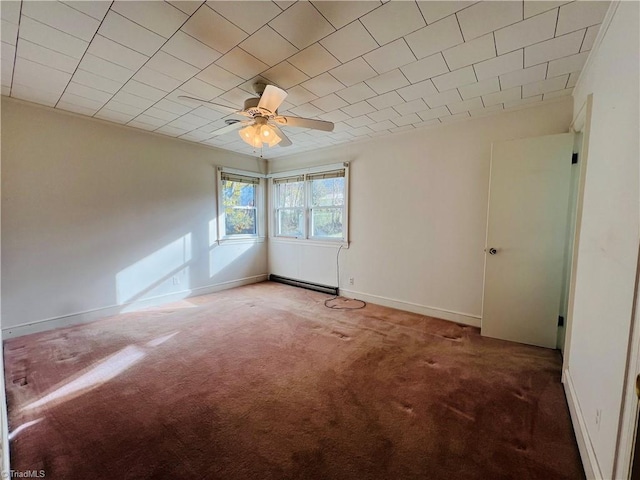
[265, 382]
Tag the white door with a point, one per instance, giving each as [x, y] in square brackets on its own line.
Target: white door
[526, 235]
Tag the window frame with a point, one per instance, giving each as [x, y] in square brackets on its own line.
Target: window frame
[257, 180]
[307, 236]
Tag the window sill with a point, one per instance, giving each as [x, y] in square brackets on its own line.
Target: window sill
[236, 240]
[314, 242]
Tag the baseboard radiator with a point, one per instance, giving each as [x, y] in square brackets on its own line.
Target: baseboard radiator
[302, 284]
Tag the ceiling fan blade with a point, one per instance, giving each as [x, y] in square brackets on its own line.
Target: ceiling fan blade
[285, 142]
[305, 123]
[231, 128]
[199, 101]
[272, 98]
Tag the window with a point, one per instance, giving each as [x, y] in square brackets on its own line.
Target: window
[238, 197]
[311, 206]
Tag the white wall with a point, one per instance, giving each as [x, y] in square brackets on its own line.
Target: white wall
[99, 218]
[609, 234]
[418, 213]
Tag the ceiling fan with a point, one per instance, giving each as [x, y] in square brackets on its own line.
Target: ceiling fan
[264, 124]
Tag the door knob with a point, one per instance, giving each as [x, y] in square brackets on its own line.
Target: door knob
[492, 251]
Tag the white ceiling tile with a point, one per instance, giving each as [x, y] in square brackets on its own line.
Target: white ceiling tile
[443, 98]
[70, 107]
[46, 57]
[285, 75]
[51, 38]
[555, 48]
[169, 65]
[578, 15]
[483, 87]
[557, 93]
[171, 131]
[382, 126]
[342, 13]
[455, 118]
[404, 128]
[190, 50]
[349, 42]
[94, 8]
[84, 102]
[414, 106]
[36, 76]
[142, 125]
[524, 76]
[406, 119]
[535, 7]
[482, 48]
[486, 111]
[161, 114]
[491, 99]
[115, 53]
[589, 38]
[208, 113]
[381, 115]
[96, 81]
[485, 17]
[545, 86]
[393, 20]
[156, 79]
[62, 17]
[329, 103]
[418, 90]
[307, 110]
[393, 55]
[358, 121]
[361, 131]
[430, 123]
[267, 46]
[523, 34]
[8, 52]
[386, 100]
[106, 69]
[88, 92]
[36, 95]
[573, 79]
[9, 32]
[133, 100]
[114, 116]
[298, 95]
[159, 17]
[10, 12]
[6, 76]
[302, 25]
[234, 98]
[173, 107]
[388, 81]
[353, 72]
[213, 30]
[499, 65]
[149, 120]
[314, 60]
[142, 90]
[360, 108]
[434, 11]
[323, 85]
[572, 63]
[241, 63]
[466, 105]
[434, 38]
[457, 78]
[187, 6]
[124, 31]
[432, 113]
[335, 116]
[219, 77]
[356, 93]
[426, 68]
[250, 17]
[523, 101]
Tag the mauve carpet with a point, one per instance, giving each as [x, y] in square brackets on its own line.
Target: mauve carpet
[264, 382]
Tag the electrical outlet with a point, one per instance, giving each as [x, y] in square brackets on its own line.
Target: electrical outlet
[176, 280]
[598, 417]
[351, 280]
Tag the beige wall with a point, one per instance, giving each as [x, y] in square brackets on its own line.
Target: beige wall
[418, 213]
[609, 234]
[98, 218]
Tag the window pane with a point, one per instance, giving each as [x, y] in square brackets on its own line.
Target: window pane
[326, 222]
[327, 192]
[240, 220]
[290, 195]
[238, 194]
[291, 222]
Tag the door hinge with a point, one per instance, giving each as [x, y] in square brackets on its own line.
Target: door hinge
[561, 321]
[574, 159]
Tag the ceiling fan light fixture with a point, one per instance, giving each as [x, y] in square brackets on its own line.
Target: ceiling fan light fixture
[257, 135]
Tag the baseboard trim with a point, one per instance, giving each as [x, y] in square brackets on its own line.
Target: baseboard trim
[587, 452]
[458, 317]
[5, 467]
[98, 313]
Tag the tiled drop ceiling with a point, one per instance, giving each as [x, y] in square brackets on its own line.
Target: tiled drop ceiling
[371, 67]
